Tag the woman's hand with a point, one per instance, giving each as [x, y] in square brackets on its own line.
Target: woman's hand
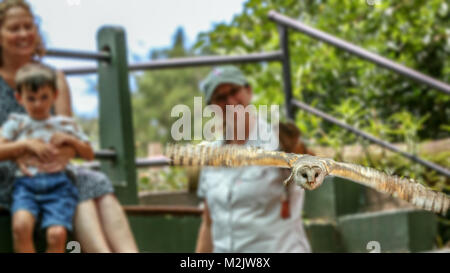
[55, 164]
[59, 162]
[60, 139]
[82, 149]
[42, 150]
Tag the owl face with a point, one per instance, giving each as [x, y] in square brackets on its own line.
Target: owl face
[309, 172]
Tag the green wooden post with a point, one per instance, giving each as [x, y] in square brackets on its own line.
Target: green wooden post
[115, 118]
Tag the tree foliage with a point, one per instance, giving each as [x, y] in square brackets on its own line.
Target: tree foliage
[159, 91]
[415, 33]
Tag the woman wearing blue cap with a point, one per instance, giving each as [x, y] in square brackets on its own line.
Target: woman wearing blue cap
[247, 209]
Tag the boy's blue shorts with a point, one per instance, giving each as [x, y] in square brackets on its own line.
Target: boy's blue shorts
[53, 197]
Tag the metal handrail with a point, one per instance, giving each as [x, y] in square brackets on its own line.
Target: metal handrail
[360, 52]
[64, 53]
[140, 162]
[106, 154]
[375, 140]
[285, 22]
[188, 62]
[206, 61]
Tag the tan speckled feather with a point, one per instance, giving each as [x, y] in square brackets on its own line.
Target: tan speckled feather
[227, 156]
[403, 188]
[238, 156]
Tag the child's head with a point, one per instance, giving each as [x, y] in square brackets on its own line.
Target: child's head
[36, 89]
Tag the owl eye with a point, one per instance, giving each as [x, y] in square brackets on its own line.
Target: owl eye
[304, 175]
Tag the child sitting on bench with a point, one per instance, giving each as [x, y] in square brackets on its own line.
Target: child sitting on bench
[50, 197]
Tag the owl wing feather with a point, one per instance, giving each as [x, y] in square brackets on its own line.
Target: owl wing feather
[238, 156]
[403, 188]
[227, 156]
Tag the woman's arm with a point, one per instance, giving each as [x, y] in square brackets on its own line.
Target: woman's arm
[59, 162]
[11, 150]
[20, 152]
[204, 240]
[63, 104]
[82, 148]
[14, 151]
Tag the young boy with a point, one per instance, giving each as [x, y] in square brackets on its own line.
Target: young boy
[52, 197]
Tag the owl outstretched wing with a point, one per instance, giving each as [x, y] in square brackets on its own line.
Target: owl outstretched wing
[227, 156]
[309, 171]
[403, 188]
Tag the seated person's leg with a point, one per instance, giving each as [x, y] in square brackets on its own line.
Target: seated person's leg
[100, 222]
[88, 229]
[56, 239]
[116, 225]
[24, 210]
[22, 228]
[58, 208]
